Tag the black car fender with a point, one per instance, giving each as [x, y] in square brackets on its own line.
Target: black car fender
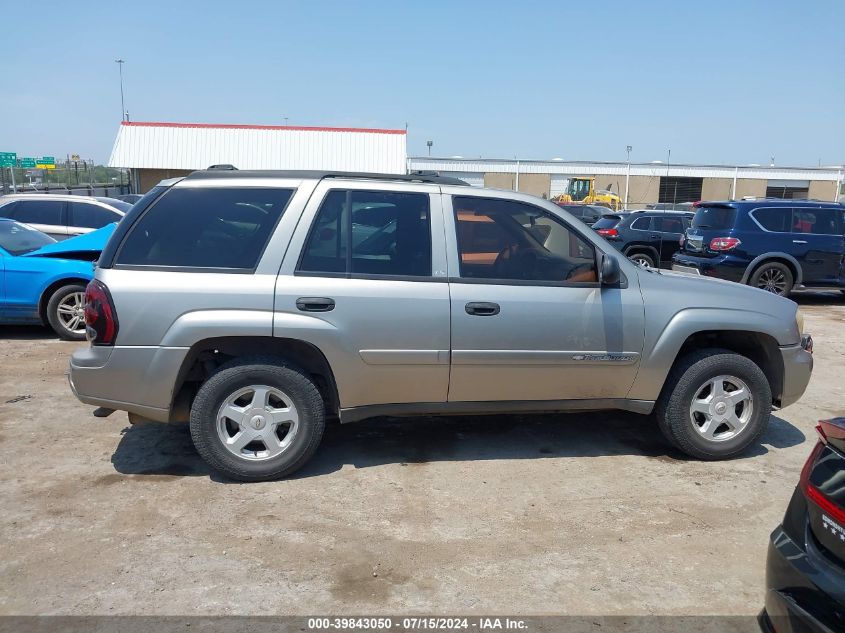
[799, 276]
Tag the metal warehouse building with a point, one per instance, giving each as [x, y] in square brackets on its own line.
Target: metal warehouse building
[154, 151]
[649, 183]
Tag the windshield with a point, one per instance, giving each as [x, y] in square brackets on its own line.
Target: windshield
[714, 218]
[579, 189]
[607, 222]
[18, 239]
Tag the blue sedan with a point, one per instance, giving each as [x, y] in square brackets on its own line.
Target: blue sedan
[43, 281]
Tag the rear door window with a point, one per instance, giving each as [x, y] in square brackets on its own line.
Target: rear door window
[370, 233]
[775, 219]
[669, 225]
[90, 216]
[205, 228]
[817, 221]
[39, 212]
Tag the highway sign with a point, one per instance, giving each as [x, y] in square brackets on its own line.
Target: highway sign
[46, 160]
[27, 163]
[8, 159]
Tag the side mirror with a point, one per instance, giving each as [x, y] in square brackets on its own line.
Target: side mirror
[610, 273]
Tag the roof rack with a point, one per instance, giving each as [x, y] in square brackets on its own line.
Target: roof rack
[429, 177]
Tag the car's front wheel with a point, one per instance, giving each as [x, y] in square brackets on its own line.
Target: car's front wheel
[715, 404]
[257, 419]
[66, 312]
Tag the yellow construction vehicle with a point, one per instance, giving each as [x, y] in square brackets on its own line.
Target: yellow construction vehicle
[583, 191]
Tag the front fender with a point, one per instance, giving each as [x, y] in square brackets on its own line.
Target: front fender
[657, 362]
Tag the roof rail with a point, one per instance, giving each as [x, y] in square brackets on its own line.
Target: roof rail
[431, 177]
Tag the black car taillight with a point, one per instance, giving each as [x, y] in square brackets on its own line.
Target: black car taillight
[830, 431]
[100, 316]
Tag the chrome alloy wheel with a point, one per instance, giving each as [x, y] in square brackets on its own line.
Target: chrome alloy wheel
[721, 408]
[71, 312]
[772, 280]
[257, 422]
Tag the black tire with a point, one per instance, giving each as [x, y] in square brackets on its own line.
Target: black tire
[240, 374]
[646, 259]
[683, 384]
[773, 277]
[53, 318]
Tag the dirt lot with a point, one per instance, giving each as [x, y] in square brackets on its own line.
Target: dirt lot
[574, 514]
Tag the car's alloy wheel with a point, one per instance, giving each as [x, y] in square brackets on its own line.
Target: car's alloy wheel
[715, 403]
[772, 280]
[257, 418]
[774, 277]
[257, 422]
[66, 312]
[721, 408]
[71, 312]
[642, 260]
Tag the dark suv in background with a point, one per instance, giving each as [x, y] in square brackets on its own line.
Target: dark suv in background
[645, 237]
[589, 214]
[773, 244]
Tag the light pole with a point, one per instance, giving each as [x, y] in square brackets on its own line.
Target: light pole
[628, 149]
[120, 63]
[429, 143]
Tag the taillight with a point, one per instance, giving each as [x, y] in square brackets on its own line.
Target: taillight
[682, 239]
[608, 232]
[100, 316]
[826, 429]
[724, 243]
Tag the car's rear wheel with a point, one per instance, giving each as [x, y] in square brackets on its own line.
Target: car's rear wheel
[715, 404]
[646, 261]
[773, 277]
[257, 419]
[66, 312]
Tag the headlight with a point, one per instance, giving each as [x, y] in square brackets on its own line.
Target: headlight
[799, 320]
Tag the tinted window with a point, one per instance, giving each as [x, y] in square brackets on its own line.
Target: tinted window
[39, 211]
[641, 224]
[669, 225]
[607, 222]
[774, 219]
[6, 211]
[714, 218]
[90, 216]
[370, 232]
[818, 221]
[17, 239]
[500, 239]
[205, 228]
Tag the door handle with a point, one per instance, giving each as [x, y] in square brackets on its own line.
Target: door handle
[799, 241]
[482, 308]
[655, 236]
[315, 304]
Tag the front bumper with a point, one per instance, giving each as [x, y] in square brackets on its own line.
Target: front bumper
[804, 595]
[725, 266]
[797, 369]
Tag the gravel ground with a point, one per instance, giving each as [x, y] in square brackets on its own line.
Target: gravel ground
[559, 514]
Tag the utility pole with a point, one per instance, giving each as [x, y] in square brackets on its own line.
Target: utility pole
[120, 63]
[628, 149]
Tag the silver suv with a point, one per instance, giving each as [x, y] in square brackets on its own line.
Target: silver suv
[255, 305]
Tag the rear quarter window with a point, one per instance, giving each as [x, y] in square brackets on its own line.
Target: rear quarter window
[205, 228]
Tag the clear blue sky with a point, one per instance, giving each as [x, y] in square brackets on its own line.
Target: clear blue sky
[716, 81]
